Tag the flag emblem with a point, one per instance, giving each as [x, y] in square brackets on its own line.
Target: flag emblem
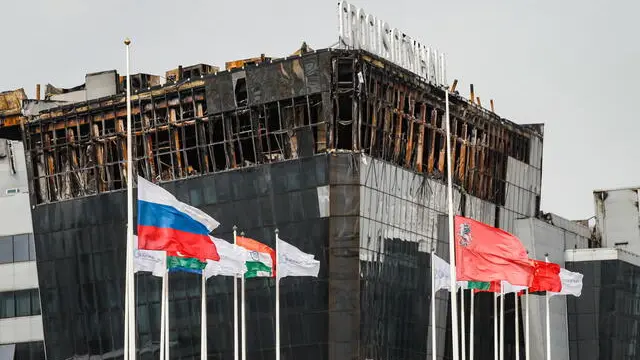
[254, 255]
[464, 234]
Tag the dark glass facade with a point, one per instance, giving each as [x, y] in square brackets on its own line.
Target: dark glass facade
[603, 321]
[360, 306]
[81, 247]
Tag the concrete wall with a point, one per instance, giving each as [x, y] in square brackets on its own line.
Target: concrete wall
[21, 329]
[618, 218]
[16, 219]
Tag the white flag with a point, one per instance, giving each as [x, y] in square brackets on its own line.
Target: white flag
[571, 283]
[232, 260]
[508, 288]
[154, 261]
[293, 262]
[443, 275]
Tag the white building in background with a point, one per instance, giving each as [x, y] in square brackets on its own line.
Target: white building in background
[21, 332]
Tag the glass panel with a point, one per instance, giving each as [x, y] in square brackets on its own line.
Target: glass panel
[6, 249]
[32, 248]
[7, 305]
[35, 302]
[23, 303]
[21, 247]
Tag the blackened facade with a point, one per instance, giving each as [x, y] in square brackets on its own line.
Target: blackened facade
[343, 152]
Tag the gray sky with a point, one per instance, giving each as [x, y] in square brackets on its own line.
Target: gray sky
[573, 65]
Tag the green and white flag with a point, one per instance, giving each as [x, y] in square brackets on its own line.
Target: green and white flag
[260, 260]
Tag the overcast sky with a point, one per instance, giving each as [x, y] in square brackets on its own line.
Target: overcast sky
[573, 65]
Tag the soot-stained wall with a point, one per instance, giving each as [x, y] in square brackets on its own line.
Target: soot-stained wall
[81, 255]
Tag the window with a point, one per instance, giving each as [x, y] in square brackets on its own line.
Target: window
[12, 191]
[17, 248]
[6, 249]
[21, 248]
[19, 303]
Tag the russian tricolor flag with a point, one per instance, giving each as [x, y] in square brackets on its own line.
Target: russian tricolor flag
[164, 223]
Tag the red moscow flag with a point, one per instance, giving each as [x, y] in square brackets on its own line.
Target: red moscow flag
[546, 277]
[486, 253]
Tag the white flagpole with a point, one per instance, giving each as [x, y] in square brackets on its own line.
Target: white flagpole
[203, 321]
[471, 325]
[243, 319]
[463, 327]
[495, 326]
[130, 315]
[236, 349]
[526, 325]
[501, 321]
[517, 326]
[452, 249]
[163, 317]
[166, 322]
[546, 296]
[433, 307]
[277, 302]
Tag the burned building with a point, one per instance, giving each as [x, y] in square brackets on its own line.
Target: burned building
[341, 150]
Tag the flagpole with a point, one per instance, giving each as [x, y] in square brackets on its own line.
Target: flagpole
[526, 325]
[433, 306]
[235, 305]
[471, 325]
[517, 326]
[166, 322]
[130, 331]
[495, 326]
[452, 250]
[463, 327]
[277, 302]
[243, 320]
[203, 321]
[501, 321]
[546, 296]
[163, 317]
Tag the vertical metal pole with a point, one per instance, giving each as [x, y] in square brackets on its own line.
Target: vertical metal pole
[495, 326]
[452, 249]
[163, 317]
[203, 321]
[243, 319]
[471, 325]
[166, 323]
[501, 321]
[130, 314]
[277, 301]
[236, 349]
[463, 327]
[546, 298]
[517, 324]
[527, 349]
[434, 352]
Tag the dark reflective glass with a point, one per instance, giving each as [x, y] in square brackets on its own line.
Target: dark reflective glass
[6, 249]
[23, 302]
[21, 247]
[32, 248]
[7, 305]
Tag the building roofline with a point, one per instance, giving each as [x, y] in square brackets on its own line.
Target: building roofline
[601, 254]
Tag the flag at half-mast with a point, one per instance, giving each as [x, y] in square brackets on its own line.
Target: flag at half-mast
[485, 253]
[261, 259]
[165, 223]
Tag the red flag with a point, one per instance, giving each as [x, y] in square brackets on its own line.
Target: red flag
[486, 253]
[546, 277]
